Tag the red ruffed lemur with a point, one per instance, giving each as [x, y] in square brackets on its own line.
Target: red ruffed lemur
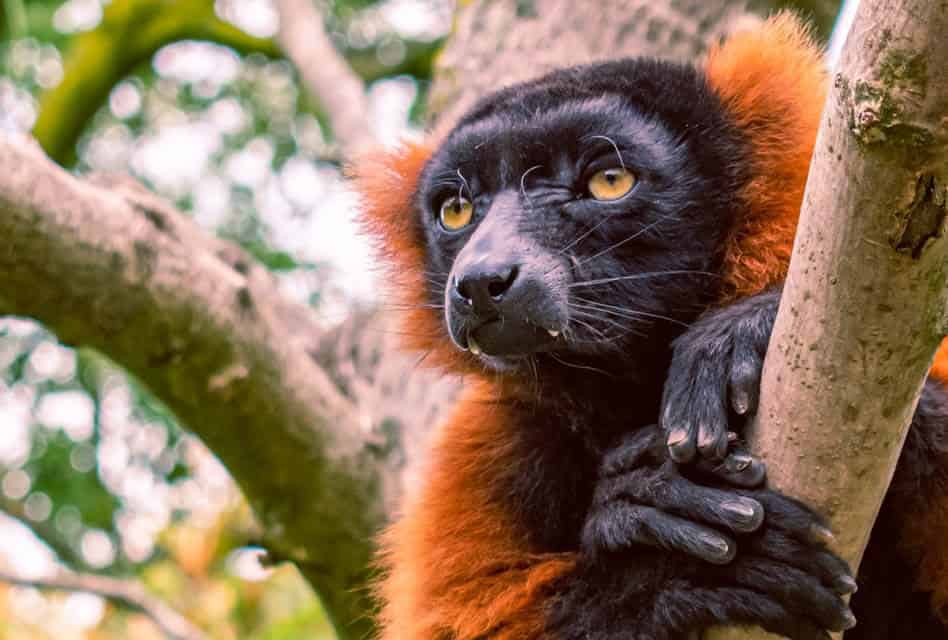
[597, 252]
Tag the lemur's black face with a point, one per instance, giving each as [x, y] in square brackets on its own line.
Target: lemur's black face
[573, 216]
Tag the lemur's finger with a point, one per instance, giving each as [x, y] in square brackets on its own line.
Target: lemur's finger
[800, 592]
[676, 494]
[831, 570]
[794, 518]
[624, 524]
[744, 378]
[694, 415]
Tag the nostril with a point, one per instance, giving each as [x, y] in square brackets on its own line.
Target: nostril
[463, 288]
[500, 283]
[496, 288]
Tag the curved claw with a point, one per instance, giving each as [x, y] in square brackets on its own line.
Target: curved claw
[739, 469]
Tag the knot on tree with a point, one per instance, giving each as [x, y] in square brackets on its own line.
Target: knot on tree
[881, 109]
[923, 220]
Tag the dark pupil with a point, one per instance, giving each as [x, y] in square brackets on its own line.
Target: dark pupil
[611, 177]
[457, 206]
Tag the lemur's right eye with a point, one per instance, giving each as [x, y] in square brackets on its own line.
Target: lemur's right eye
[456, 213]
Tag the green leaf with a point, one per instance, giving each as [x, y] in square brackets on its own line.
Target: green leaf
[272, 259]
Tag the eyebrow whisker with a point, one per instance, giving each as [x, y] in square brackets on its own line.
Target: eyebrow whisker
[523, 189]
[465, 184]
[614, 146]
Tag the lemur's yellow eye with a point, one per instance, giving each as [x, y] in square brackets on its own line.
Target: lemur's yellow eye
[611, 184]
[456, 213]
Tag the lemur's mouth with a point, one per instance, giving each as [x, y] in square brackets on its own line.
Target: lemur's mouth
[505, 336]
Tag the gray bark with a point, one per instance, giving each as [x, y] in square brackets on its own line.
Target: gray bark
[863, 310]
[500, 42]
[113, 267]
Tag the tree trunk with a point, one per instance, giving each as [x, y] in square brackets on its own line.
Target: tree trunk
[500, 42]
[863, 310]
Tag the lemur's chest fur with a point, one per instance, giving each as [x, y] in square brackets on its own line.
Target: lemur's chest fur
[559, 436]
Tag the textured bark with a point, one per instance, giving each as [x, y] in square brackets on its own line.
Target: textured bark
[499, 42]
[113, 267]
[863, 310]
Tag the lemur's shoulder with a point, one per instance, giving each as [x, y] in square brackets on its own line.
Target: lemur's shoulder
[772, 81]
[458, 563]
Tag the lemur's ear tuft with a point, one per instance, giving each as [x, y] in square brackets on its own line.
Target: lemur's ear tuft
[386, 181]
[772, 81]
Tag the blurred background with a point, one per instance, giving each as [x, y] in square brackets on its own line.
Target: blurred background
[195, 99]
[94, 472]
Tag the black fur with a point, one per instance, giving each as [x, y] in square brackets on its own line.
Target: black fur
[713, 382]
[619, 280]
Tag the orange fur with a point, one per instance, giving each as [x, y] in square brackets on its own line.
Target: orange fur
[386, 182]
[464, 571]
[773, 84]
[940, 367]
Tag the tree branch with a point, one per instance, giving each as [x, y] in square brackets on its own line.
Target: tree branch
[44, 531]
[498, 43]
[863, 310]
[133, 30]
[130, 33]
[326, 73]
[128, 593]
[113, 267]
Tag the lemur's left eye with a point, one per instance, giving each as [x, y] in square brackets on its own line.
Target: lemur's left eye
[611, 184]
[456, 213]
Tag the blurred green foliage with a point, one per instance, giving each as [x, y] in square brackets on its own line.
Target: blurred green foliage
[126, 491]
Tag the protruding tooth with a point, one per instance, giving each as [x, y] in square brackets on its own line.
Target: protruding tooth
[473, 347]
[553, 332]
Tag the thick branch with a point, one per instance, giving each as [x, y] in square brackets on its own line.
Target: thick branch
[128, 593]
[499, 43]
[206, 329]
[864, 305]
[326, 73]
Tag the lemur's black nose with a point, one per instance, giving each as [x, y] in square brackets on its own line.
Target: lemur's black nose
[485, 282]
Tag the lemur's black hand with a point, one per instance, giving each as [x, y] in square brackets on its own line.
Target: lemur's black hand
[714, 377]
[784, 578]
[739, 553]
[642, 498]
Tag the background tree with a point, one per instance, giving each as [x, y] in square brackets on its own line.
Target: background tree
[238, 336]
